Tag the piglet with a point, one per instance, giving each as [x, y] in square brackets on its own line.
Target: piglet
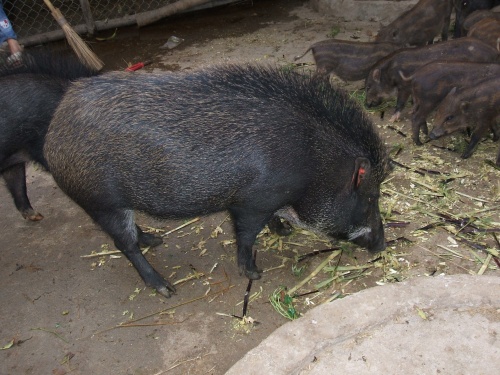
[419, 25]
[431, 83]
[350, 61]
[477, 107]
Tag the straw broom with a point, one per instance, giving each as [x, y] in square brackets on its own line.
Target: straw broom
[82, 50]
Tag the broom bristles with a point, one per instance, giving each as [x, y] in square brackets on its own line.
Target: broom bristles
[82, 50]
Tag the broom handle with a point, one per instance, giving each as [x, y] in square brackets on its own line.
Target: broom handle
[49, 5]
[83, 52]
[56, 13]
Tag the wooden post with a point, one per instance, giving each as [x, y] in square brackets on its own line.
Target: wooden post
[87, 16]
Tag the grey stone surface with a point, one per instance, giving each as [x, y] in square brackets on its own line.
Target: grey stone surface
[383, 11]
[438, 325]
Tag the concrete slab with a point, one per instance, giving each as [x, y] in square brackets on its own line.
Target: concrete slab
[428, 325]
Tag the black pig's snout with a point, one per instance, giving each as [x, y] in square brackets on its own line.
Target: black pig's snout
[379, 246]
[373, 241]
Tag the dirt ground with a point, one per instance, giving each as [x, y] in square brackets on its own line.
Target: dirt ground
[64, 313]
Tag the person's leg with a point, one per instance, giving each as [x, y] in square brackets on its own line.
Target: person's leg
[7, 34]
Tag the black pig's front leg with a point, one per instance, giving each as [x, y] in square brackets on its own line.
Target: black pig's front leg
[247, 224]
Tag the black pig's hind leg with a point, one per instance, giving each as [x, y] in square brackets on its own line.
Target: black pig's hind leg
[148, 239]
[15, 178]
[119, 224]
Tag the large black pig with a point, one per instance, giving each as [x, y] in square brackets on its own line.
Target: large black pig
[31, 91]
[247, 139]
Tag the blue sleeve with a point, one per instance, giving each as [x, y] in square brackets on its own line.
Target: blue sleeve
[6, 30]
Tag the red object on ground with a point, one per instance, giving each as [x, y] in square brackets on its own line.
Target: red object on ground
[137, 66]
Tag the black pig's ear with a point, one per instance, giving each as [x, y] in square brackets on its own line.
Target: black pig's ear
[361, 172]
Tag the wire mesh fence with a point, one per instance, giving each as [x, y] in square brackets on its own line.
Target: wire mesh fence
[34, 23]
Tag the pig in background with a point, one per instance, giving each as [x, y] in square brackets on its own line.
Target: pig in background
[479, 15]
[31, 91]
[464, 8]
[477, 107]
[385, 78]
[431, 83]
[419, 25]
[247, 139]
[350, 61]
[487, 30]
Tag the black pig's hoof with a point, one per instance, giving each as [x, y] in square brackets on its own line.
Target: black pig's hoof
[148, 239]
[32, 215]
[154, 280]
[164, 288]
[166, 291]
[252, 274]
[281, 228]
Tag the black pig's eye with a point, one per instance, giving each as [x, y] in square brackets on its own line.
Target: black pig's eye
[449, 118]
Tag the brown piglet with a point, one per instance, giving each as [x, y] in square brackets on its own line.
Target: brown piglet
[477, 107]
[487, 30]
[419, 25]
[479, 15]
[385, 77]
[431, 83]
[350, 61]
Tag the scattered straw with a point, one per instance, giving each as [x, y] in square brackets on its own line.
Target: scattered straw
[315, 272]
[470, 272]
[181, 226]
[49, 331]
[177, 364]
[453, 253]
[107, 252]
[133, 323]
[485, 264]
[471, 197]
